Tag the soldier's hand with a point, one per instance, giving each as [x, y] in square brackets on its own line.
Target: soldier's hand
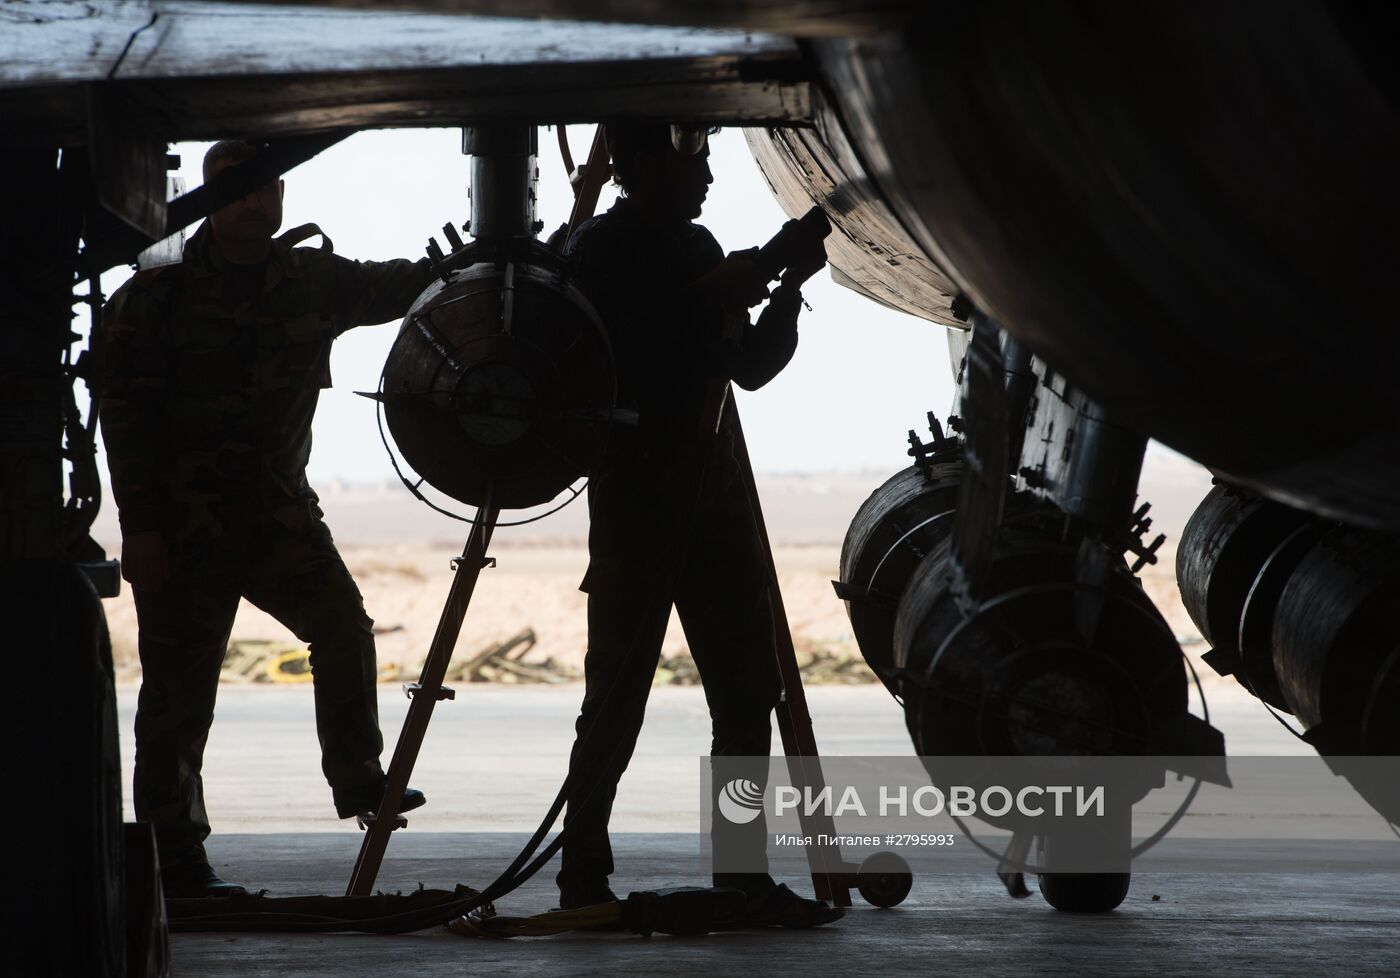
[737, 283]
[145, 560]
[809, 259]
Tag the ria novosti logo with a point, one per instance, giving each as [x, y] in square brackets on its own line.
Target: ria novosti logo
[741, 801]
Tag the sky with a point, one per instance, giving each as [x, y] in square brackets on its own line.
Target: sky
[862, 375]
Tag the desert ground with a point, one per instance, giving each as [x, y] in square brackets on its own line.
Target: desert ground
[399, 552]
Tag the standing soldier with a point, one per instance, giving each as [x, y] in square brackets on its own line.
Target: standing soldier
[212, 371]
[676, 312]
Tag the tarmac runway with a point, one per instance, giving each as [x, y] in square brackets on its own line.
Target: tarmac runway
[491, 764]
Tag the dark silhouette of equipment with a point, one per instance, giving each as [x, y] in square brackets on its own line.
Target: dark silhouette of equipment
[1019, 676]
[792, 238]
[1301, 612]
[900, 524]
[1337, 643]
[84, 909]
[474, 397]
[500, 383]
[1236, 554]
[1033, 638]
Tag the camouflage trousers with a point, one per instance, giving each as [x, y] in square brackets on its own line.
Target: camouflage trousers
[298, 577]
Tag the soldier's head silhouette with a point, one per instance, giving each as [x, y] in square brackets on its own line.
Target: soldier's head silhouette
[243, 228]
[665, 169]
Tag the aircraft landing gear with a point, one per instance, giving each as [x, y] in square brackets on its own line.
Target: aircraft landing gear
[1084, 892]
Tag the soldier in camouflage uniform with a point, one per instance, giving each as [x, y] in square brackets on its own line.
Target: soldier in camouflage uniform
[213, 368]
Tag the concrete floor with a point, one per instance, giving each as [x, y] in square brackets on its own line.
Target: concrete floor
[494, 757]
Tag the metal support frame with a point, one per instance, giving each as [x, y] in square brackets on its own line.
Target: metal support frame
[425, 695]
[832, 876]
[986, 409]
[504, 177]
[588, 180]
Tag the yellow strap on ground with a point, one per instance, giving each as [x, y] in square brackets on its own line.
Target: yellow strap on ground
[278, 671]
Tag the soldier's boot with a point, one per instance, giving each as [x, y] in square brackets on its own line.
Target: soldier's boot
[772, 904]
[195, 880]
[366, 798]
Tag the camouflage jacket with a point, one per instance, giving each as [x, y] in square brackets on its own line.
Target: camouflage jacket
[211, 376]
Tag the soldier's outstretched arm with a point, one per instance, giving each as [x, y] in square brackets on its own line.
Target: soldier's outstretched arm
[768, 345]
[373, 292]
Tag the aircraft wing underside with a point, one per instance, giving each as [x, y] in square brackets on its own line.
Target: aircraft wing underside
[188, 70]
